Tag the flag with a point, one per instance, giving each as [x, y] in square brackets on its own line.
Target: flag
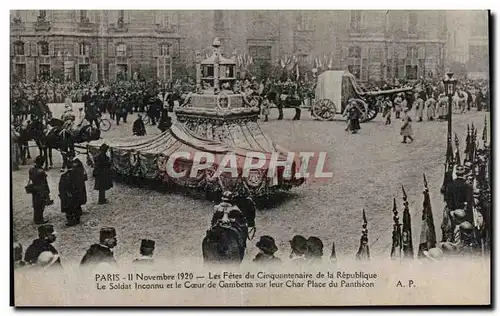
[448, 169]
[468, 142]
[364, 250]
[333, 255]
[428, 231]
[396, 234]
[485, 131]
[457, 150]
[407, 241]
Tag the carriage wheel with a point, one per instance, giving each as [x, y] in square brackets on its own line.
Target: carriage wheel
[324, 110]
[105, 125]
[372, 113]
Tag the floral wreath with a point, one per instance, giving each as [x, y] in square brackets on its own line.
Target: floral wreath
[219, 97]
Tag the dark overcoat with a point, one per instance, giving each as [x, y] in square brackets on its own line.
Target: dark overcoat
[103, 173]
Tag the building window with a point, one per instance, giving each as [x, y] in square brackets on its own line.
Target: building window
[43, 49]
[165, 50]
[44, 71]
[42, 14]
[389, 68]
[84, 16]
[18, 49]
[411, 53]
[412, 23]
[355, 52]
[121, 50]
[355, 20]
[84, 49]
[303, 23]
[355, 61]
[411, 72]
[20, 71]
[16, 16]
[219, 20]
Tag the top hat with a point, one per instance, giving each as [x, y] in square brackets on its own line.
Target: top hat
[267, 244]
[107, 233]
[45, 230]
[146, 243]
[460, 171]
[299, 244]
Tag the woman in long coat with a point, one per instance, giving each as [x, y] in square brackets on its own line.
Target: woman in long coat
[406, 130]
[103, 173]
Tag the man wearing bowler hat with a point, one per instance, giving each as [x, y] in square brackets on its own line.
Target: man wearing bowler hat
[103, 251]
[267, 247]
[147, 249]
[46, 236]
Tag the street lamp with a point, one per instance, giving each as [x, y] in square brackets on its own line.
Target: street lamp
[450, 85]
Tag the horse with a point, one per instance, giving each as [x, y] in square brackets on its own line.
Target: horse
[225, 241]
[54, 135]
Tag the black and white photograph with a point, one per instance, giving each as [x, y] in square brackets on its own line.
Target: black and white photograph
[188, 158]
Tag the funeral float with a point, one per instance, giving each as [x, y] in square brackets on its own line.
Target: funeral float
[211, 122]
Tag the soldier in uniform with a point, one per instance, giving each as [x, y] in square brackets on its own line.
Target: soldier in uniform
[103, 173]
[299, 248]
[431, 108]
[268, 248]
[103, 251]
[147, 249]
[38, 187]
[406, 130]
[419, 108]
[46, 236]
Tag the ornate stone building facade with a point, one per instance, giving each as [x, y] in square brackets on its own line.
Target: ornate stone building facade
[468, 42]
[103, 45]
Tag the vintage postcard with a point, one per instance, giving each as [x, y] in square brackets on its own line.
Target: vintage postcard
[250, 157]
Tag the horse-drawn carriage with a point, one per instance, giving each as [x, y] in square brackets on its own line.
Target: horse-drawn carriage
[335, 89]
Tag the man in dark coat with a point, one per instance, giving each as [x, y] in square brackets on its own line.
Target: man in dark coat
[38, 187]
[147, 249]
[103, 173]
[460, 194]
[46, 236]
[72, 192]
[165, 121]
[103, 251]
[154, 109]
[138, 128]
